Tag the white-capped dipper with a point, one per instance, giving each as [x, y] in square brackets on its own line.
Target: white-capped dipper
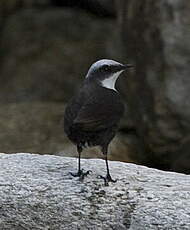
[92, 116]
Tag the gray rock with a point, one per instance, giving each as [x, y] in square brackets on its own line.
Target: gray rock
[156, 38]
[37, 192]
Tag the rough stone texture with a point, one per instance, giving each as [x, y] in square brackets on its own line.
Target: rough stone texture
[156, 36]
[45, 53]
[37, 192]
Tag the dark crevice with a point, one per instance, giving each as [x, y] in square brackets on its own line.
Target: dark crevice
[91, 6]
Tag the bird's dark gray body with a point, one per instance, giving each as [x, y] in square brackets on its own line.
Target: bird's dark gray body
[92, 116]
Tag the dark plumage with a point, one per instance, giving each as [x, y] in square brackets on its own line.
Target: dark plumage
[92, 116]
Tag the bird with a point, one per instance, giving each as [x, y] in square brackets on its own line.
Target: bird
[92, 115]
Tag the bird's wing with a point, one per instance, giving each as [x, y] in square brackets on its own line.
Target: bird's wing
[100, 112]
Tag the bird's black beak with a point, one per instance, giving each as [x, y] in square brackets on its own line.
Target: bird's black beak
[122, 67]
[128, 66]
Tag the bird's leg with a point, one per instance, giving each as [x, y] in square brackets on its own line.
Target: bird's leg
[108, 177]
[81, 174]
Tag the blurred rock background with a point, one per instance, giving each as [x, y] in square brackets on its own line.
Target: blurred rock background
[46, 48]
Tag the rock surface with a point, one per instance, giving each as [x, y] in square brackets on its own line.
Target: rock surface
[156, 36]
[37, 192]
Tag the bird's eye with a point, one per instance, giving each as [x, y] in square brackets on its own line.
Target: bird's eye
[105, 67]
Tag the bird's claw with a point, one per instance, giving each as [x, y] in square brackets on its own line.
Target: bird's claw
[107, 179]
[81, 174]
[84, 174]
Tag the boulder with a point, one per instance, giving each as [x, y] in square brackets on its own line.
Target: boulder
[37, 192]
[156, 38]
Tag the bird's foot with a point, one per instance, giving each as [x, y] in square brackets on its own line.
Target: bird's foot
[107, 179]
[81, 174]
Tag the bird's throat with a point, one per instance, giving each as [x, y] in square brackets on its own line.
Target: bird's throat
[110, 82]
